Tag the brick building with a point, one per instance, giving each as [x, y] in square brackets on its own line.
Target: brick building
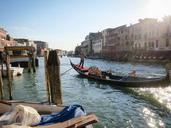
[5, 39]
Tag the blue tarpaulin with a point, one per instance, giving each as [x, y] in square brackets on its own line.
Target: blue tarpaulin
[67, 113]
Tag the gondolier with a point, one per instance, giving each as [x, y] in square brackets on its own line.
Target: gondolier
[82, 59]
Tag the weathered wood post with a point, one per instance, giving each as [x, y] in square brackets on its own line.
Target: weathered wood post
[1, 64]
[168, 71]
[33, 62]
[54, 77]
[2, 68]
[29, 63]
[47, 76]
[9, 76]
[1, 86]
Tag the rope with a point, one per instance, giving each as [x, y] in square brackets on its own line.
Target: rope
[65, 72]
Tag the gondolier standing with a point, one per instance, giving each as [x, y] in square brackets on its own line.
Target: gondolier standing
[82, 59]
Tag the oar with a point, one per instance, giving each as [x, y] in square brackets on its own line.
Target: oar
[65, 72]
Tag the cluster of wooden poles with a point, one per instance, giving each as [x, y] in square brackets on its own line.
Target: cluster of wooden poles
[9, 76]
[52, 76]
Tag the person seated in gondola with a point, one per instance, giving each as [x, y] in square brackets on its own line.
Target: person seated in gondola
[95, 71]
[132, 74]
[109, 73]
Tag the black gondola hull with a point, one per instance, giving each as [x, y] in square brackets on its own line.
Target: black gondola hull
[125, 81]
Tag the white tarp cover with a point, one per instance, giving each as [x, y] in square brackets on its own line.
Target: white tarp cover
[21, 115]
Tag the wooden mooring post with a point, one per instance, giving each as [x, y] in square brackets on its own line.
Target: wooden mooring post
[29, 63]
[33, 62]
[54, 77]
[2, 68]
[9, 76]
[1, 86]
[168, 71]
[47, 76]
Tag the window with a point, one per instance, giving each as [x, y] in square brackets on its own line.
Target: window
[157, 43]
[126, 37]
[145, 36]
[145, 45]
[152, 44]
[139, 36]
[139, 45]
[149, 44]
[167, 42]
[135, 46]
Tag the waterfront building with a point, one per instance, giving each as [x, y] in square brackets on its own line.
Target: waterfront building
[84, 47]
[77, 50]
[26, 42]
[147, 39]
[41, 47]
[114, 40]
[109, 37]
[70, 53]
[97, 41]
[5, 39]
[92, 39]
[22, 41]
[92, 45]
[167, 32]
[150, 38]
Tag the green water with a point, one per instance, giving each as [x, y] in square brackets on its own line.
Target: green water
[115, 107]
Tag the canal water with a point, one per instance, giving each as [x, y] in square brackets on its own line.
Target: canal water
[115, 107]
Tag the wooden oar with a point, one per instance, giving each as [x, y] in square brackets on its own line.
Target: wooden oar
[65, 72]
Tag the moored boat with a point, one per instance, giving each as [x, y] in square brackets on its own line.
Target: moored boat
[45, 109]
[128, 81]
[15, 71]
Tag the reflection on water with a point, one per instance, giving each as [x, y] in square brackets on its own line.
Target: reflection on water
[151, 119]
[115, 107]
[163, 95]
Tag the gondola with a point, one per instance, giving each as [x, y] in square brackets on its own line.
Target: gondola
[128, 81]
[46, 109]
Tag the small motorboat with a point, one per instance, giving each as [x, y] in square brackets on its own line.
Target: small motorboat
[15, 71]
[128, 81]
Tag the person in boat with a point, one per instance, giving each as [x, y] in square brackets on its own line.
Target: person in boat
[95, 71]
[133, 73]
[109, 72]
[82, 56]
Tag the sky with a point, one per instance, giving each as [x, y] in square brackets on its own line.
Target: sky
[65, 23]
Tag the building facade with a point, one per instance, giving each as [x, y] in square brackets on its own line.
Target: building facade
[5, 39]
[41, 47]
[114, 42]
[147, 39]
[150, 38]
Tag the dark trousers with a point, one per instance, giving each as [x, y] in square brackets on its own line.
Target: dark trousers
[81, 63]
